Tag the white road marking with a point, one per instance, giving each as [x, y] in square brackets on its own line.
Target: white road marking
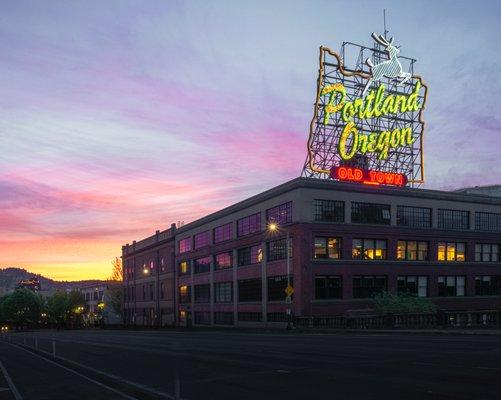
[72, 371]
[12, 387]
[114, 377]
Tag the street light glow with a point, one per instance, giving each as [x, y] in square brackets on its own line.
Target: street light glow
[272, 226]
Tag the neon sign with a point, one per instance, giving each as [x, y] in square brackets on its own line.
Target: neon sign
[368, 177]
[374, 105]
[368, 115]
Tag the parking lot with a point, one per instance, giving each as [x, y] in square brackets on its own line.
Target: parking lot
[238, 365]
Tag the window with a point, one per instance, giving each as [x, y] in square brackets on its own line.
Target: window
[223, 260]
[162, 265]
[412, 250]
[185, 245]
[249, 224]
[415, 285]
[249, 255]
[223, 318]
[368, 286]
[369, 249]
[490, 222]
[326, 247]
[451, 251]
[223, 233]
[451, 285]
[223, 292]
[185, 294]
[277, 249]
[184, 268]
[328, 287]
[202, 317]
[202, 293]
[201, 239]
[162, 290]
[281, 214]
[250, 316]
[152, 296]
[202, 265]
[249, 290]
[486, 252]
[144, 293]
[368, 213]
[414, 217]
[328, 210]
[488, 285]
[453, 219]
[276, 287]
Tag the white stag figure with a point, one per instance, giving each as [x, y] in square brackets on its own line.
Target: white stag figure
[390, 69]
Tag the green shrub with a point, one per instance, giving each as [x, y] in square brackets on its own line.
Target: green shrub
[388, 303]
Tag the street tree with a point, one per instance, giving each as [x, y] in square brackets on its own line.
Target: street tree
[21, 308]
[116, 270]
[115, 290]
[58, 308]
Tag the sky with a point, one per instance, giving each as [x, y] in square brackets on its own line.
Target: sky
[118, 118]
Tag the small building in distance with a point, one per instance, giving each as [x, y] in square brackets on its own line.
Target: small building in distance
[98, 308]
[32, 284]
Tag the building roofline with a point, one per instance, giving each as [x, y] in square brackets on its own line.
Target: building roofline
[316, 183]
[478, 187]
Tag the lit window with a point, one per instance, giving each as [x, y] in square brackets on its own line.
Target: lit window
[184, 267]
[249, 255]
[326, 247]
[369, 249]
[184, 294]
[451, 251]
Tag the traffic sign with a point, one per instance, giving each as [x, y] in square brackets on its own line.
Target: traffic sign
[289, 290]
[288, 300]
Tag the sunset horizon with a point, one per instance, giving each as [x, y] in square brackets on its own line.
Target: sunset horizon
[165, 115]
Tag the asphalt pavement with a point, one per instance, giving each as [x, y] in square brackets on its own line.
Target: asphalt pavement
[236, 365]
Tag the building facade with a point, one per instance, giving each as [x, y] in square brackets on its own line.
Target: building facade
[347, 243]
[149, 280]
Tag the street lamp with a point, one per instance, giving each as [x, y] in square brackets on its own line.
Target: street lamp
[272, 228]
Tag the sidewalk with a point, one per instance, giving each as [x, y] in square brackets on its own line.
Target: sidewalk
[406, 331]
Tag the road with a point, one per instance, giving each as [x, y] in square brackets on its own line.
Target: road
[237, 365]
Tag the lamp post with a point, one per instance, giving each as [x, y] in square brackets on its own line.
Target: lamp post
[273, 227]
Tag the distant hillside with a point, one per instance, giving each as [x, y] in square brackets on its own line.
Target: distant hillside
[9, 277]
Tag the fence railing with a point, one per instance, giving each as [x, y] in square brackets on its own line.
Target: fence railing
[441, 319]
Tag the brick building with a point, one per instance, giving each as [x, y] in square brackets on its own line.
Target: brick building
[347, 242]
